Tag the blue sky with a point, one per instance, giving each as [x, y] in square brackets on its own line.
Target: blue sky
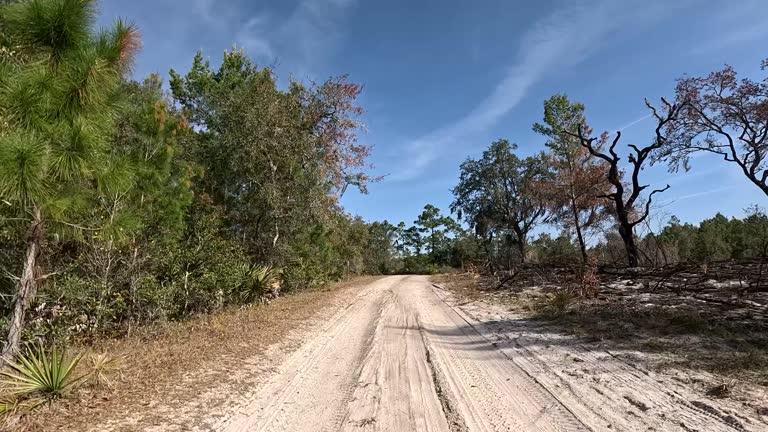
[444, 78]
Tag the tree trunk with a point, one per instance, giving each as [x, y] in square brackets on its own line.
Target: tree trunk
[487, 243]
[579, 235]
[626, 233]
[27, 286]
[521, 246]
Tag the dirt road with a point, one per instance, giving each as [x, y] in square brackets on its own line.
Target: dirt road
[399, 354]
[399, 358]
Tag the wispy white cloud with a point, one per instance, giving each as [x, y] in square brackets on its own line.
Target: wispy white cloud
[204, 9]
[297, 38]
[686, 176]
[298, 41]
[698, 194]
[562, 39]
[250, 37]
[302, 39]
[633, 122]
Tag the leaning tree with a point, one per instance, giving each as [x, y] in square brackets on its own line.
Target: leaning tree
[721, 115]
[625, 197]
[58, 104]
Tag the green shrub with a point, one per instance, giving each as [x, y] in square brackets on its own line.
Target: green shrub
[304, 273]
[37, 372]
[255, 281]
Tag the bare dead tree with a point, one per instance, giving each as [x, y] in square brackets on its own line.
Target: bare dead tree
[627, 210]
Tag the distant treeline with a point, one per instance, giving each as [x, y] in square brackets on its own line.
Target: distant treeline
[590, 188]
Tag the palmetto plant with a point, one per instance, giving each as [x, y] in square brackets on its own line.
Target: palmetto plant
[37, 372]
[9, 405]
[255, 280]
[58, 104]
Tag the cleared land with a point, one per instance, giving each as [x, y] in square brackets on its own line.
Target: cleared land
[400, 354]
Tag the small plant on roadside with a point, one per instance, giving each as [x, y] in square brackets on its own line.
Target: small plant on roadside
[10, 405]
[255, 281]
[102, 366]
[36, 372]
[721, 391]
[559, 301]
[689, 321]
[590, 280]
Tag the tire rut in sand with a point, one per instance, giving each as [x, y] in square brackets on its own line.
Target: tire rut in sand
[312, 390]
[395, 389]
[491, 392]
[452, 415]
[401, 359]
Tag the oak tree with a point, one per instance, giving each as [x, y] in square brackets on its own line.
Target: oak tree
[498, 193]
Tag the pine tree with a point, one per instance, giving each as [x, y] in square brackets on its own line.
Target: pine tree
[59, 98]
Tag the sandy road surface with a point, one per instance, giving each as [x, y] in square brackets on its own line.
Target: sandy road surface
[400, 359]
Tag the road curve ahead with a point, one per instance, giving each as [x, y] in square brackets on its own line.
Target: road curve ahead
[400, 359]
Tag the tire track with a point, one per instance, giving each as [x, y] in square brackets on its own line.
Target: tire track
[319, 379]
[395, 390]
[491, 392]
[400, 359]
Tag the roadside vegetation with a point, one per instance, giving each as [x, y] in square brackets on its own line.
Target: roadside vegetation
[123, 204]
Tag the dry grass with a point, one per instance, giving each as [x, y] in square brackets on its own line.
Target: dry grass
[199, 353]
[465, 284]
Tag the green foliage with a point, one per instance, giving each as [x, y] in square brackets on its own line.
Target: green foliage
[717, 238]
[153, 212]
[255, 280]
[496, 195]
[58, 103]
[560, 250]
[436, 230]
[575, 190]
[712, 240]
[150, 140]
[22, 168]
[54, 26]
[379, 254]
[314, 261]
[36, 372]
[274, 160]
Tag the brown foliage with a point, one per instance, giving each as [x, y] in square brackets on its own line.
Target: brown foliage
[574, 192]
[722, 115]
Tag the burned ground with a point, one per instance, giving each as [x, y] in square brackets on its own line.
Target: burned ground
[704, 326]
